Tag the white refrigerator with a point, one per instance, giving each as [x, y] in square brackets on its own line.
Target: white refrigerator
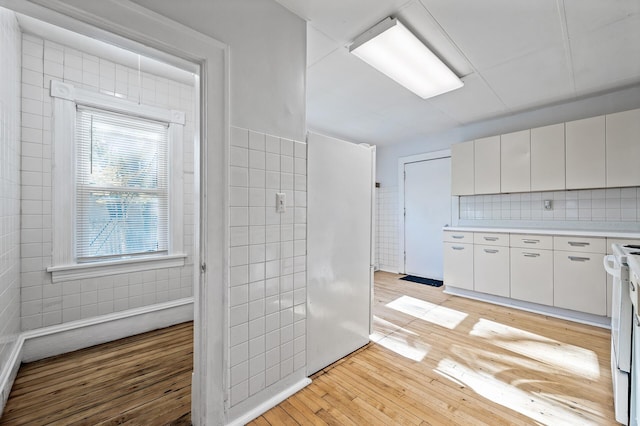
[340, 220]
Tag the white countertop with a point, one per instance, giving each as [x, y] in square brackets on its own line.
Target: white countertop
[540, 231]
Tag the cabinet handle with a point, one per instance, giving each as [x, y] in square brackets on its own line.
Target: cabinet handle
[531, 254]
[579, 259]
[578, 244]
[457, 237]
[491, 238]
[637, 320]
[457, 248]
[490, 251]
[633, 287]
[531, 241]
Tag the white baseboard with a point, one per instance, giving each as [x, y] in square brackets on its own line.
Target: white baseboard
[245, 416]
[9, 372]
[566, 314]
[58, 339]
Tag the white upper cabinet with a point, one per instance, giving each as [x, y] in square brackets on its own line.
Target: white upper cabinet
[515, 162]
[623, 148]
[462, 168]
[585, 147]
[547, 158]
[487, 165]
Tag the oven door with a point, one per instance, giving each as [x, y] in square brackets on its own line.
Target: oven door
[621, 320]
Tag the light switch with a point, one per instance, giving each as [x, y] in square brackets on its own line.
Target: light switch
[281, 202]
[548, 204]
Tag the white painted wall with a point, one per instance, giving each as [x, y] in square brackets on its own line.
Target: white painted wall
[268, 58]
[10, 42]
[44, 303]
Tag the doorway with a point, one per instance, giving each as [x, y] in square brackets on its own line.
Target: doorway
[426, 184]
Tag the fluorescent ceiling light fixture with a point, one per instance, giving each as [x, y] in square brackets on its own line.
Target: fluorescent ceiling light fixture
[394, 51]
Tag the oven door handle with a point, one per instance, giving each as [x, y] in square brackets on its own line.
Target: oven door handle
[610, 265]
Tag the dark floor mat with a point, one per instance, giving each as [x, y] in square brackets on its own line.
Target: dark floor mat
[420, 280]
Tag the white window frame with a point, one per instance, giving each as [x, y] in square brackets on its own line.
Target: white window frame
[65, 98]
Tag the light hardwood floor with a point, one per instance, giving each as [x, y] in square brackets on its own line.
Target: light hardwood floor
[435, 359]
[439, 359]
[141, 380]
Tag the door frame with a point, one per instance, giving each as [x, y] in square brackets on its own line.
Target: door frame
[402, 161]
[133, 27]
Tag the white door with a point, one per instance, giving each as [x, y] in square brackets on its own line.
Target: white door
[427, 202]
[339, 256]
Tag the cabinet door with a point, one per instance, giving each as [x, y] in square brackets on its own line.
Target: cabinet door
[486, 165]
[491, 270]
[623, 148]
[579, 282]
[458, 265]
[585, 147]
[462, 168]
[532, 275]
[547, 158]
[515, 162]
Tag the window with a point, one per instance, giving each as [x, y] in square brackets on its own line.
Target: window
[117, 185]
[121, 185]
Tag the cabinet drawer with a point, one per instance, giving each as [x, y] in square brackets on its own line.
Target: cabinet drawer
[491, 239]
[544, 242]
[458, 237]
[582, 244]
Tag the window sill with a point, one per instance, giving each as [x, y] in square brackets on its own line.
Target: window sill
[100, 269]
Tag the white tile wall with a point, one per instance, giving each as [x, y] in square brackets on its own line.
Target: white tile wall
[267, 253]
[44, 303]
[10, 41]
[387, 228]
[603, 208]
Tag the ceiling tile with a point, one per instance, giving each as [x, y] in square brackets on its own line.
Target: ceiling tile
[587, 15]
[415, 17]
[474, 101]
[343, 20]
[491, 32]
[608, 57]
[533, 80]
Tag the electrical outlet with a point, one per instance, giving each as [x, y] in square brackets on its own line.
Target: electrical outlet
[548, 204]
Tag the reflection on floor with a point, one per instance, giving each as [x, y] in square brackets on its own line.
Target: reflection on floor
[440, 359]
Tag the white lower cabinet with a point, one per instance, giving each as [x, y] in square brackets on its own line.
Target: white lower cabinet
[458, 265]
[579, 282]
[491, 269]
[532, 275]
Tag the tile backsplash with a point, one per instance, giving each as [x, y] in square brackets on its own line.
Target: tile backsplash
[611, 208]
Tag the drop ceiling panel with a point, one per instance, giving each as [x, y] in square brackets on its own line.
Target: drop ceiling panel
[587, 15]
[464, 106]
[607, 57]
[492, 32]
[343, 20]
[539, 78]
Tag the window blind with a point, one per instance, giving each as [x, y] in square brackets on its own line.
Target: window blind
[121, 185]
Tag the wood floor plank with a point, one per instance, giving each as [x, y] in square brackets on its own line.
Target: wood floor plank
[142, 379]
[452, 361]
[494, 366]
